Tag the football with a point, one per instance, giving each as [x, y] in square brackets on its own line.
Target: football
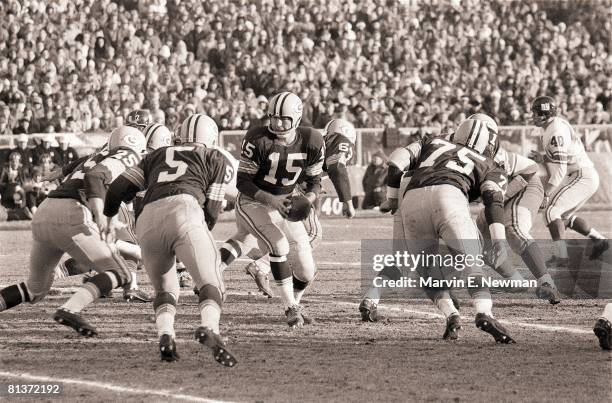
[300, 208]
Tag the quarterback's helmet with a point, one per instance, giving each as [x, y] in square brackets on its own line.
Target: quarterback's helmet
[341, 126]
[157, 136]
[285, 113]
[139, 118]
[543, 108]
[199, 128]
[130, 137]
[476, 135]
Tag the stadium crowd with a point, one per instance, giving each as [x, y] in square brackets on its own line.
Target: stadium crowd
[82, 65]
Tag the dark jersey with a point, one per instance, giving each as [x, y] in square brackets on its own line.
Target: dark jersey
[440, 162]
[105, 165]
[338, 150]
[275, 167]
[187, 169]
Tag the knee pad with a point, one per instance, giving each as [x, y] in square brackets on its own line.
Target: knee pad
[164, 298]
[302, 262]
[280, 247]
[35, 292]
[553, 213]
[211, 292]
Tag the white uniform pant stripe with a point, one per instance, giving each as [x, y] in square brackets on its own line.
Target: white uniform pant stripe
[251, 224]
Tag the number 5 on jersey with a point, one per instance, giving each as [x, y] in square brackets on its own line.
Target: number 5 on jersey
[180, 166]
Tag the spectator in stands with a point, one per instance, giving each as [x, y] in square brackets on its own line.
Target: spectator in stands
[374, 182]
[26, 154]
[13, 178]
[46, 147]
[65, 153]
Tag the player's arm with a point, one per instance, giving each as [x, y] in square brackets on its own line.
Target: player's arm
[222, 174]
[524, 170]
[124, 189]
[61, 172]
[493, 199]
[400, 161]
[338, 173]
[313, 171]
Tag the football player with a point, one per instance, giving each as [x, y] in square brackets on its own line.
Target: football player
[522, 199]
[185, 187]
[69, 221]
[339, 136]
[156, 136]
[274, 160]
[603, 328]
[435, 205]
[572, 180]
[139, 118]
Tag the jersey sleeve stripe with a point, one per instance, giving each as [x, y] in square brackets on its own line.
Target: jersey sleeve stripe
[216, 191]
[315, 169]
[332, 159]
[136, 176]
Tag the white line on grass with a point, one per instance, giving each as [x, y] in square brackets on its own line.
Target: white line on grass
[547, 328]
[107, 386]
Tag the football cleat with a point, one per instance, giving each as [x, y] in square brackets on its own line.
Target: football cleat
[558, 262]
[136, 295]
[453, 325]
[185, 279]
[603, 331]
[599, 247]
[167, 348]
[490, 325]
[75, 321]
[368, 310]
[214, 341]
[261, 279]
[548, 292]
[294, 316]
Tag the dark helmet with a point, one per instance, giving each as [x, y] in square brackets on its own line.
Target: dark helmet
[543, 108]
[139, 118]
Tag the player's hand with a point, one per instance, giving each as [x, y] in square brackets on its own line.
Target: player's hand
[281, 203]
[536, 156]
[347, 209]
[389, 205]
[497, 253]
[110, 233]
[545, 203]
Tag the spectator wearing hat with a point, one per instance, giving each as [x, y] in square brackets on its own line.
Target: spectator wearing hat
[374, 181]
[46, 147]
[65, 153]
[13, 177]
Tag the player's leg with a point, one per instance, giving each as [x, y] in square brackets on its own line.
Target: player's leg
[313, 227]
[603, 328]
[265, 224]
[461, 236]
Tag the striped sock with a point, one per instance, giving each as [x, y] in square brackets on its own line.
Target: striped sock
[210, 313]
[13, 295]
[164, 319]
[299, 286]
[282, 275]
[230, 251]
[100, 284]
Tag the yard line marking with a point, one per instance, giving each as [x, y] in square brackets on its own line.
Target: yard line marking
[108, 386]
[547, 328]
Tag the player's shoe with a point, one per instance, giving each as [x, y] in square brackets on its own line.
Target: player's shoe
[75, 321]
[490, 325]
[185, 279]
[136, 295]
[308, 320]
[261, 279]
[167, 348]
[557, 262]
[368, 310]
[453, 325]
[294, 316]
[549, 292]
[603, 331]
[599, 247]
[214, 341]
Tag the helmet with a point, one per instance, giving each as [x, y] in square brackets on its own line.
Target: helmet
[126, 136]
[157, 136]
[343, 127]
[543, 108]
[476, 135]
[199, 128]
[285, 113]
[488, 120]
[138, 118]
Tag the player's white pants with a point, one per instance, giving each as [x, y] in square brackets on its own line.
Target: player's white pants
[576, 189]
[175, 226]
[262, 225]
[439, 212]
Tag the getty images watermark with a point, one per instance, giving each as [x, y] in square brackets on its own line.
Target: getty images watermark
[407, 268]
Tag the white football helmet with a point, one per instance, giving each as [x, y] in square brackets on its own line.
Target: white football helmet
[199, 128]
[157, 136]
[488, 120]
[343, 127]
[127, 136]
[285, 113]
[473, 134]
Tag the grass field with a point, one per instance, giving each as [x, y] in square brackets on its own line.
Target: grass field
[402, 358]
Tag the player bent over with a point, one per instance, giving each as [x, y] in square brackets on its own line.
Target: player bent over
[185, 187]
[274, 160]
[69, 221]
[572, 180]
[435, 206]
[339, 136]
